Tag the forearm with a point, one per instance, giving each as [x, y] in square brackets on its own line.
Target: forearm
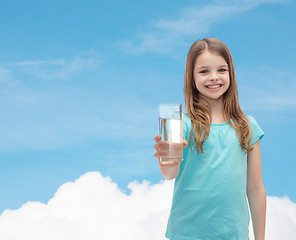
[257, 203]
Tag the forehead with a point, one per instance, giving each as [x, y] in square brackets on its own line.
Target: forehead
[209, 59]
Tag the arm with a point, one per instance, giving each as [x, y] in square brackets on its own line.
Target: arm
[256, 192]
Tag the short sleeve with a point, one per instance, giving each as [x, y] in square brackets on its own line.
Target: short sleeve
[186, 126]
[257, 132]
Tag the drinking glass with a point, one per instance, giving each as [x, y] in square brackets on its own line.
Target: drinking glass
[170, 129]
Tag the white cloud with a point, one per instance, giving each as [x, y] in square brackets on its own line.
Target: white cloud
[6, 79]
[165, 34]
[44, 120]
[93, 207]
[59, 62]
[281, 218]
[41, 112]
[248, 3]
[63, 68]
[265, 88]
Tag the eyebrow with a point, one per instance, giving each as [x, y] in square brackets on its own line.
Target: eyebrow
[225, 65]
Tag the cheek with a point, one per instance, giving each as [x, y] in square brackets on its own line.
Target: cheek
[198, 85]
[227, 86]
[199, 81]
[227, 81]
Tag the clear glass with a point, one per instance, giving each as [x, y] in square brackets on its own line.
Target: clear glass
[170, 129]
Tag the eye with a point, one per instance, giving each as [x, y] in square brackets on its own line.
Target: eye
[203, 71]
[222, 70]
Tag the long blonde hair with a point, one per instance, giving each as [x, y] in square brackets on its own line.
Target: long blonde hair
[199, 112]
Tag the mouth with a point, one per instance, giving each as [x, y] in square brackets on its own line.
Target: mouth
[214, 86]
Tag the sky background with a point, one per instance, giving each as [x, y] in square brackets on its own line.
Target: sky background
[80, 84]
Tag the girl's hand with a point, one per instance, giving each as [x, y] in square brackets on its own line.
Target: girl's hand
[161, 147]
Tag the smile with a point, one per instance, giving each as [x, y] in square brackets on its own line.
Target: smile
[214, 86]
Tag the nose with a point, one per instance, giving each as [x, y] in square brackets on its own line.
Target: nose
[214, 76]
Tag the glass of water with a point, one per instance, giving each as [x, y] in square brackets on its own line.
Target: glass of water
[170, 129]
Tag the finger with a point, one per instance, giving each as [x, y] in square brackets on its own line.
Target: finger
[160, 154]
[185, 143]
[161, 145]
[157, 138]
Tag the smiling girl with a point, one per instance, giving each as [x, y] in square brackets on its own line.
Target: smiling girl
[221, 167]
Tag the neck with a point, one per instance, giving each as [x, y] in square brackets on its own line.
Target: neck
[217, 110]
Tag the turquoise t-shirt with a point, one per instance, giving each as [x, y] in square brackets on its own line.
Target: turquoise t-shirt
[209, 200]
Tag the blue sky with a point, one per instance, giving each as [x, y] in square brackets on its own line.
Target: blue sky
[80, 83]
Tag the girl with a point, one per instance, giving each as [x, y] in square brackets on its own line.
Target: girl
[221, 165]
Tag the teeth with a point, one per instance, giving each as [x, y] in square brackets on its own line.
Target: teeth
[213, 86]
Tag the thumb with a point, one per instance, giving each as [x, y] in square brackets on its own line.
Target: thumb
[185, 143]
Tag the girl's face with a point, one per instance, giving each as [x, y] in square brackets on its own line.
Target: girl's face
[211, 76]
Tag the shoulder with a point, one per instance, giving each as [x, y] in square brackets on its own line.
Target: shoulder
[257, 132]
[252, 121]
[185, 116]
[186, 125]
[186, 119]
